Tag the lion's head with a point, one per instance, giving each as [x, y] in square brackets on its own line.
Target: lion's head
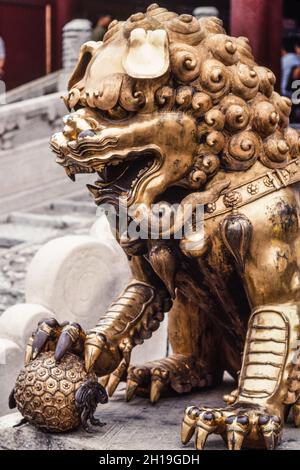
[167, 100]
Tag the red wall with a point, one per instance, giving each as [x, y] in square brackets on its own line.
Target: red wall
[23, 28]
[22, 25]
[260, 21]
[25, 51]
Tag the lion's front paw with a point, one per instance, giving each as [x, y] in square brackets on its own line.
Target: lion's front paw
[52, 336]
[241, 425]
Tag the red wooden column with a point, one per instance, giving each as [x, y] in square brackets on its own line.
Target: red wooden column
[64, 11]
[261, 21]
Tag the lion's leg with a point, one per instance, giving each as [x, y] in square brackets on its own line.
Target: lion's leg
[195, 359]
[269, 383]
[272, 275]
[269, 380]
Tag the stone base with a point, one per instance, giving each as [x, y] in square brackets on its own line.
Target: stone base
[130, 426]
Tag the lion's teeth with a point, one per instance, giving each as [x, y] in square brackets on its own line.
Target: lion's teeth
[70, 173]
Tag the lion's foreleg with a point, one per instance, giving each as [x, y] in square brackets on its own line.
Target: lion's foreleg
[131, 319]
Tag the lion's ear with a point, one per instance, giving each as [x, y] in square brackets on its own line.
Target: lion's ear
[147, 54]
[86, 53]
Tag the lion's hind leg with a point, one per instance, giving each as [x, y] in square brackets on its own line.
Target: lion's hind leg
[195, 360]
[176, 372]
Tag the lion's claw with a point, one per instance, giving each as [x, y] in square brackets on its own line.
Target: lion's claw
[154, 379]
[46, 330]
[238, 427]
[202, 422]
[71, 338]
[52, 336]
[116, 377]
[270, 428]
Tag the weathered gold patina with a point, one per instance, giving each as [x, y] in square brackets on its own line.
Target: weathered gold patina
[169, 108]
[57, 396]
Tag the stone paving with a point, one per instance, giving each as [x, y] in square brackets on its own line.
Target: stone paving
[135, 425]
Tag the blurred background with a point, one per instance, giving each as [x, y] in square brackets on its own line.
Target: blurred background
[32, 30]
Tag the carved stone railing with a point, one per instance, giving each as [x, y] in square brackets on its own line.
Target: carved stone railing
[29, 120]
[39, 87]
[28, 172]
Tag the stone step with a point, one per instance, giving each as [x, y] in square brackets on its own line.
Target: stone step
[59, 222]
[6, 243]
[24, 232]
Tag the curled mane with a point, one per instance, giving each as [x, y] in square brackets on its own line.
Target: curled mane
[212, 76]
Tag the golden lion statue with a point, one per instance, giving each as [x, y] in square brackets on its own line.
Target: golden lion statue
[169, 108]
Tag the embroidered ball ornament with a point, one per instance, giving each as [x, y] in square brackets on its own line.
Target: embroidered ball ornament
[57, 397]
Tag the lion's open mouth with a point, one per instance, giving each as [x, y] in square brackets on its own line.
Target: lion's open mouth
[120, 172]
[123, 176]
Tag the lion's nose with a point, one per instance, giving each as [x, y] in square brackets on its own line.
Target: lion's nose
[70, 132]
[70, 127]
[76, 127]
